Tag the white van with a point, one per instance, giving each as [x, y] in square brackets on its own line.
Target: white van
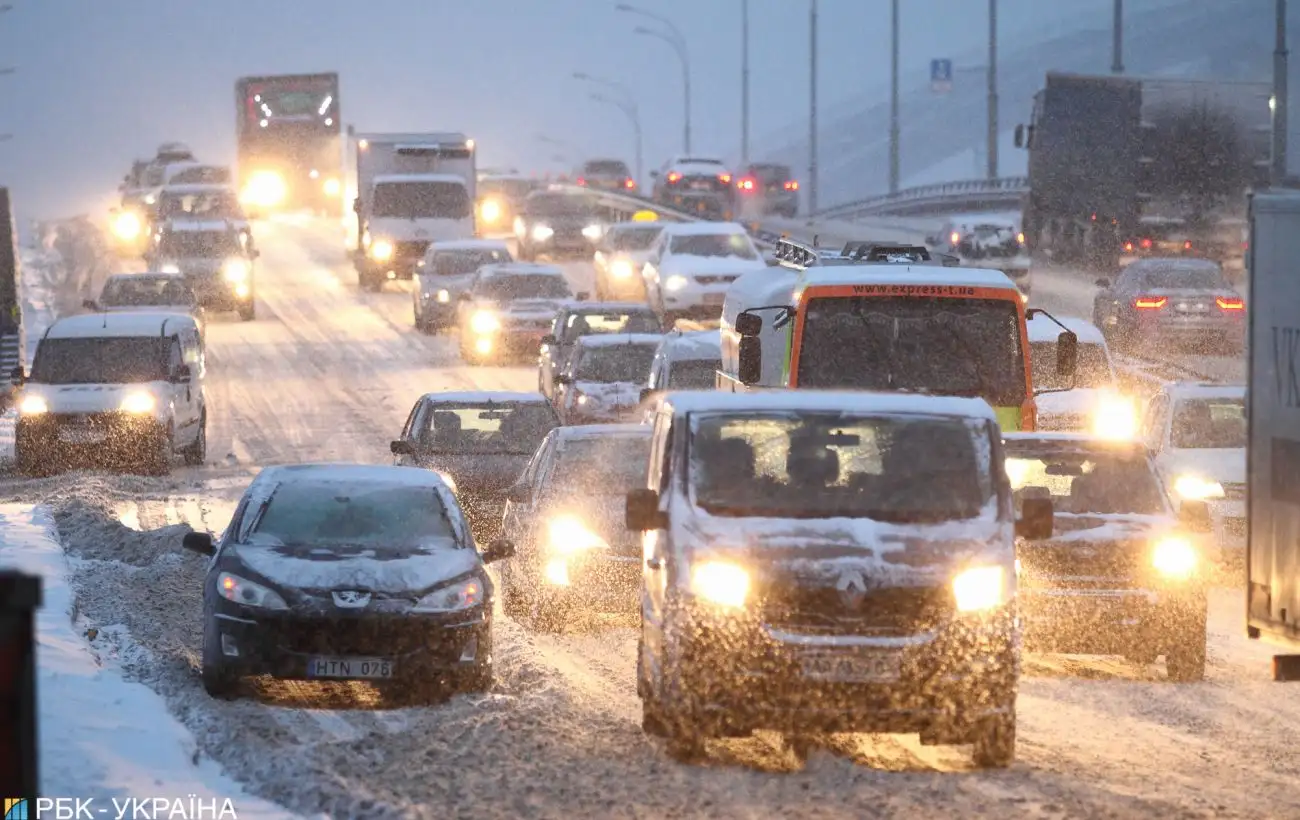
[123, 390]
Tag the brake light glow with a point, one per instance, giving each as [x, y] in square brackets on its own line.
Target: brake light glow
[1020, 238]
[746, 184]
[673, 176]
[792, 185]
[1230, 303]
[1150, 302]
[954, 238]
[724, 178]
[1146, 244]
[629, 183]
[1128, 246]
[1187, 246]
[582, 182]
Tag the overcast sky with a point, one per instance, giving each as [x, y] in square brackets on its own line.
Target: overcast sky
[98, 83]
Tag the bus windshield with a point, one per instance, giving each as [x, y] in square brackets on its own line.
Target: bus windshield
[945, 346]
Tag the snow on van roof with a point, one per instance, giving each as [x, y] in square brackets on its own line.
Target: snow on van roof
[1181, 391]
[704, 228]
[521, 269]
[802, 400]
[590, 431]
[105, 325]
[694, 345]
[616, 339]
[1043, 329]
[890, 274]
[382, 179]
[470, 245]
[483, 397]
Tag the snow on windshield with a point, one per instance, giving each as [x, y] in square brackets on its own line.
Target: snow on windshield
[832, 465]
[136, 291]
[522, 286]
[1209, 424]
[460, 262]
[604, 465]
[1175, 277]
[113, 360]
[331, 514]
[1093, 369]
[716, 244]
[615, 363]
[210, 204]
[1085, 483]
[593, 324]
[634, 239]
[487, 428]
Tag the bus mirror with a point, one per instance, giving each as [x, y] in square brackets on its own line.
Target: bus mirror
[1020, 136]
[750, 366]
[1067, 353]
[749, 324]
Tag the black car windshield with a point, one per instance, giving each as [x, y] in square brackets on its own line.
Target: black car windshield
[374, 516]
[1095, 483]
[112, 360]
[606, 465]
[487, 428]
[508, 188]
[594, 324]
[504, 288]
[1209, 424]
[557, 205]
[606, 168]
[422, 200]
[1092, 370]
[199, 244]
[1180, 278]
[696, 374]
[458, 263]
[832, 465]
[615, 363]
[139, 291]
[948, 346]
[634, 239]
[735, 245]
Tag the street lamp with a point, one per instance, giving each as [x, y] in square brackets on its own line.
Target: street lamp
[672, 36]
[624, 101]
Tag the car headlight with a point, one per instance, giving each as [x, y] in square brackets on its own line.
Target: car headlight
[675, 282]
[621, 269]
[1195, 488]
[127, 226]
[332, 188]
[568, 535]
[464, 595]
[265, 189]
[1174, 557]
[520, 227]
[1115, 418]
[443, 297]
[244, 591]
[236, 270]
[557, 572]
[484, 322]
[150, 199]
[169, 267]
[979, 588]
[33, 406]
[541, 233]
[722, 583]
[490, 211]
[592, 232]
[381, 250]
[138, 402]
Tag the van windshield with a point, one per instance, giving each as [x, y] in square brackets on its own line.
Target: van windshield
[841, 465]
[113, 360]
[422, 200]
[200, 244]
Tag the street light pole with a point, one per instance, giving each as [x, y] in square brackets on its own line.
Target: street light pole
[1117, 39]
[893, 99]
[1279, 97]
[630, 109]
[744, 82]
[992, 154]
[812, 108]
[674, 37]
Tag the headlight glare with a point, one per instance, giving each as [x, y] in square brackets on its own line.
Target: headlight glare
[1174, 557]
[722, 583]
[243, 591]
[443, 297]
[33, 406]
[332, 188]
[568, 535]
[1195, 488]
[1115, 418]
[265, 189]
[236, 270]
[675, 282]
[126, 226]
[490, 211]
[381, 250]
[463, 595]
[592, 232]
[541, 233]
[621, 269]
[169, 267]
[979, 588]
[138, 402]
[484, 322]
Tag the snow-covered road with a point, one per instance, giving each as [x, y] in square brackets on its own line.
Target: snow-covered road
[329, 373]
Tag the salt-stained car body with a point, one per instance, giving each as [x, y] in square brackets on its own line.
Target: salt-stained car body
[345, 572]
[603, 377]
[565, 517]
[1120, 575]
[1088, 401]
[692, 265]
[446, 271]
[621, 256]
[587, 319]
[508, 308]
[829, 562]
[1198, 433]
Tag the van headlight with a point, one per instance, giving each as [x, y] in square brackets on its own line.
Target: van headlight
[33, 406]
[381, 250]
[236, 270]
[484, 322]
[1174, 557]
[592, 232]
[621, 269]
[980, 588]
[675, 282]
[1115, 418]
[541, 233]
[722, 583]
[1195, 488]
[490, 211]
[138, 403]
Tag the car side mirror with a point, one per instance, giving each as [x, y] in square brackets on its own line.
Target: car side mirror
[1195, 516]
[642, 512]
[200, 542]
[498, 550]
[91, 305]
[550, 340]
[519, 494]
[18, 376]
[750, 355]
[564, 378]
[1036, 519]
[183, 374]
[402, 447]
[1067, 353]
[749, 324]
[1102, 283]
[1020, 136]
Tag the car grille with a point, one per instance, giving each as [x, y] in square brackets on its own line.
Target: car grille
[824, 610]
[1234, 491]
[410, 249]
[356, 636]
[715, 280]
[1081, 559]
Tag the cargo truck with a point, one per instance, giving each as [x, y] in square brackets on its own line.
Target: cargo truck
[288, 132]
[1273, 418]
[1120, 166]
[411, 190]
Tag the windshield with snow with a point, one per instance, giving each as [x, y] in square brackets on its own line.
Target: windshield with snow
[596, 324]
[735, 245]
[605, 465]
[138, 291]
[206, 205]
[615, 363]
[111, 360]
[841, 465]
[1085, 483]
[1209, 424]
[493, 428]
[333, 514]
[1092, 370]
[955, 347]
[694, 375]
[200, 244]
[460, 262]
[633, 239]
[422, 200]
[522, 286]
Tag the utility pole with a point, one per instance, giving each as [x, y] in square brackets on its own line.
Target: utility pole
[812, 108]
[993, 90]
[744, 82]
[1279, 97]
[893, 100]
[1117, 39]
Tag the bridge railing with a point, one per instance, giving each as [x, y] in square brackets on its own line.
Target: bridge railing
[979, 194]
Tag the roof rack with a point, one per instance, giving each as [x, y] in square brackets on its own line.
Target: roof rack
[797, 255]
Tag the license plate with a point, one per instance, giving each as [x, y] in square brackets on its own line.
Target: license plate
[701, 186]
[877, 667]
[714, 298]
[82, 435]
[350, 668]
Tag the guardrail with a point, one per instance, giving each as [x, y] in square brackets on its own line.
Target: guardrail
[621, 207]
[926, 200]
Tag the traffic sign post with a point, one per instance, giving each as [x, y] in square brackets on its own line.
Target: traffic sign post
[941, 76]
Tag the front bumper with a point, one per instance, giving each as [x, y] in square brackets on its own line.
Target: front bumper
[72, 440]
[219, 293]
[1098, 620]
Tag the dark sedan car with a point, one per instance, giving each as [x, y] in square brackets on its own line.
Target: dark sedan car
[588, 319]
[347, 572]
[577, 555]
[1179, 301]
[480, 442]
[557, 224]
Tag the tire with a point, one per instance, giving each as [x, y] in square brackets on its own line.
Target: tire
[995, 744]
[248, 311]
[197, 453]
[218, 682]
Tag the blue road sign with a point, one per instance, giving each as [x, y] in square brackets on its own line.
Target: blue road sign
[941, 75]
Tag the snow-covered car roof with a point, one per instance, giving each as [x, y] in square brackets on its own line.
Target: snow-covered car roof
[705, 401]
[349, 474]
[590, 431]
[200, 225]
[1180, 391]
[106, 325]
[593, 308]
[520, 269]
[907, 275]
[705, 228]
[693, 345]
[483, 397]
[470, 245]
[382, 179]
[616, 339]
[1043, 329]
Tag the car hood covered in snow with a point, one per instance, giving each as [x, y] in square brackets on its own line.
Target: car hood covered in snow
[387, 571]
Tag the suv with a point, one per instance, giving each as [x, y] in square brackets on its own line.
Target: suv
[700, 186]
[122, 388]
[216, 258]
[770, 189]
[606, 174]
[824, 562]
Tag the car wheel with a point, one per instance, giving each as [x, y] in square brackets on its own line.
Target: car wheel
[219, 680]
[197, 453]
[995, 745]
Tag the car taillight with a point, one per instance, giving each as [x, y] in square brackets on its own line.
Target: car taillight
[792, 185]
[582, 182]
[1187, 246]
[1146, 244]
[1150, 302]
[954, 238]
[746, 184]
[673, 177]
[1020, 238]
[629, 183]
[1230, 303]
[725, 179]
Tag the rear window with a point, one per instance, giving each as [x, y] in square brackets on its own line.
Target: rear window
[607, 465]
[697, 374]
[590, 324]
[634, 239]
[615, 363]
[487, 428]
[1194, 278]
[138, 291]
[457, 263]
[606, 167]
[430, 200]
[771, 173]
[522, 286]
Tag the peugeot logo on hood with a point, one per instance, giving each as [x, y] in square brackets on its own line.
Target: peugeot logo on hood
[852, 586]
[351, 599]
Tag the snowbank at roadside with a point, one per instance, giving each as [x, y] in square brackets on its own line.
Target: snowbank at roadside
[101, 736]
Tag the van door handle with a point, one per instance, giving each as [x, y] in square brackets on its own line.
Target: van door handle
[654, 563]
